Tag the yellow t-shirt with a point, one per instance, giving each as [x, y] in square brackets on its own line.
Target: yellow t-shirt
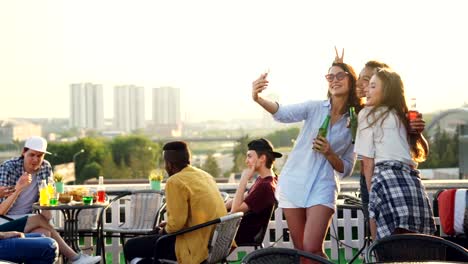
[192, 198]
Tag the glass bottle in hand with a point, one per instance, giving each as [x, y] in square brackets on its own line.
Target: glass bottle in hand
[324, 128]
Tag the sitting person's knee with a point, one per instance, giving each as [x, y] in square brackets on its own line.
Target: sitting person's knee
[41, 230]
[51, 246]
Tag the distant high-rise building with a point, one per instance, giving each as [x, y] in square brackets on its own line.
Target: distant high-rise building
[129, 107]
[166, 110]
[87, 106]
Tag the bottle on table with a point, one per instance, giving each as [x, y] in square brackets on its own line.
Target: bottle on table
[44, 194]
[101, 190]
[51, 186]
[353, 123]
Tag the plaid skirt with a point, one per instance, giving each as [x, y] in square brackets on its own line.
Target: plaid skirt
[398, 199]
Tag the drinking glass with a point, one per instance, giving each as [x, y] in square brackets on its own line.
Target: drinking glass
[87, 200]
[53, 201]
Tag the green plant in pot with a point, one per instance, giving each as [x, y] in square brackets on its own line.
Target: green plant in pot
[155, 178]
[59, 185]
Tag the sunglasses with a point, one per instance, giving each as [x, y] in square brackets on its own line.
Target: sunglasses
[339, 76]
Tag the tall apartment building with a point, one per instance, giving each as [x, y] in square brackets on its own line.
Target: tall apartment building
[129, 107]
[166, 110]
[87, 106]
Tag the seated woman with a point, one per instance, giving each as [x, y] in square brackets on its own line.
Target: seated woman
[39, 224]
[27, 248]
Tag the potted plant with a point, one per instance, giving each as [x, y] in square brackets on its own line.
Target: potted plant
[58, 179]
[155, 178]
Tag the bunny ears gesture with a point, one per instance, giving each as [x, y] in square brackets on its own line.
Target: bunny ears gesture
[339, 59]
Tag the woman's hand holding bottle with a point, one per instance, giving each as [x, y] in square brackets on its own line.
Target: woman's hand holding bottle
[321, 145]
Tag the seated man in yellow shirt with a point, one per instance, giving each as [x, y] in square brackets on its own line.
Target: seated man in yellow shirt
[192, 198]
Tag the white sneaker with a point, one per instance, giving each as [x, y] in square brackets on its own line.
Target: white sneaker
[87, 259]
[135, 260]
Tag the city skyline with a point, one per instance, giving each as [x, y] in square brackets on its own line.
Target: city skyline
[213, 50]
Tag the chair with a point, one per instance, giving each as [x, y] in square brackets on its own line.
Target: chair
[87, 225]
[415, 247]
[225, 196]
[257, 241]
[142, 219]
[220, 244]
[281, 256]
[5, 219]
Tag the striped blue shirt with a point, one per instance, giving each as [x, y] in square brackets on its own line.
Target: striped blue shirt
[307, 178]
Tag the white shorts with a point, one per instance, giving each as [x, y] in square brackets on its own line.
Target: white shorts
[283, 201]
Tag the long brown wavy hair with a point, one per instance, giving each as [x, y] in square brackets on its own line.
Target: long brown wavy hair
[393, 97]
[353, 100]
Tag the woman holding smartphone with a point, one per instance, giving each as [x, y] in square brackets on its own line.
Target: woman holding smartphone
[307, 188]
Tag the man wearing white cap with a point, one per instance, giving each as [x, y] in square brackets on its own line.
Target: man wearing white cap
[29, 170]
[30, 165]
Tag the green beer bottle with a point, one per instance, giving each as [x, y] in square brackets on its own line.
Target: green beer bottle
[353, 123]
[324, 127]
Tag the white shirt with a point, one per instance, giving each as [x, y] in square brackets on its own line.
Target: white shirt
[307, 178]
[385, 140]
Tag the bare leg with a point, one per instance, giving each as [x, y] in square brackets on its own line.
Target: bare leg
[38, 223]
[41, 230]
[296, 219]
[316, 227]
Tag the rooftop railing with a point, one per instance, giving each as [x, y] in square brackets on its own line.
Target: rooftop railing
[347, 226]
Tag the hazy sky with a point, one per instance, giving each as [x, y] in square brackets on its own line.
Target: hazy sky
[213, 50]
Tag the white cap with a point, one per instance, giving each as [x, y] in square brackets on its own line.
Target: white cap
[37, 144]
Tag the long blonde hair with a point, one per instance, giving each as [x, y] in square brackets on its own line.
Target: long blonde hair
[393, 97]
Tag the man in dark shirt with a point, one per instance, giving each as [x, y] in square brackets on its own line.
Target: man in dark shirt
[258, 202]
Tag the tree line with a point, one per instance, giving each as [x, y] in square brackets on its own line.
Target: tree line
[124, 157]
[443, 150]
[134, 156]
